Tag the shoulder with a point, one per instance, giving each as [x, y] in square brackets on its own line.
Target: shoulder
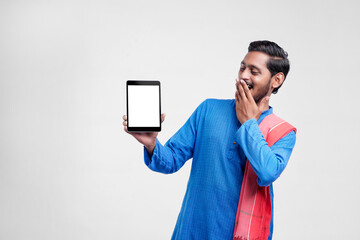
[211, 106]
[217, 105]
[279, 129]
[218, 100]
[274, 121]
[214, 102]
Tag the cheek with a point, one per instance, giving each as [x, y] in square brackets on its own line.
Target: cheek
[256, 81]
[259, 80]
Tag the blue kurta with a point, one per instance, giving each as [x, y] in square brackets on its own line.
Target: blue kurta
[218, 144]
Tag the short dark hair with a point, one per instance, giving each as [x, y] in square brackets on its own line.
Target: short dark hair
[278, 61]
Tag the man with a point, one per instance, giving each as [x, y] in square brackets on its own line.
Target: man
[223, 137]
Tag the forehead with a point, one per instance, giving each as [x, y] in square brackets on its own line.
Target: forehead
[258, 59]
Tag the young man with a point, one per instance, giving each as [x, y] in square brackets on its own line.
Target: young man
[226, 140]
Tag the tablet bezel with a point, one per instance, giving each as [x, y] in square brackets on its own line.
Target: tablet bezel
[137, 83]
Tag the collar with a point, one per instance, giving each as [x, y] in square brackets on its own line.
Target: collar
[264, 114]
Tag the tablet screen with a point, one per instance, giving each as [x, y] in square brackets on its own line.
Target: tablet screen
[143, 105]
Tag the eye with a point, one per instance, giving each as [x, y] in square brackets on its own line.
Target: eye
[242, 69]
[254, 73]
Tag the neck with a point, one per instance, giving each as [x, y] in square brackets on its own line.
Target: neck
[263, 106]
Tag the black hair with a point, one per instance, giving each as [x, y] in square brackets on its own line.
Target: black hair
[278, 61]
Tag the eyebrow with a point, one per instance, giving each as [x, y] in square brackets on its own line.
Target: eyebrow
[251, 66]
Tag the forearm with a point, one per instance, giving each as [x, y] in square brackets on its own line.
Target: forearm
[267, 162]
[164, 159]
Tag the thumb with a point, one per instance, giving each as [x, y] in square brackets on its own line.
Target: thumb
[163, 117]
[264, 104]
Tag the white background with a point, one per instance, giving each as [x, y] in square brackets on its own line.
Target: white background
[143, 106]
[69, 171]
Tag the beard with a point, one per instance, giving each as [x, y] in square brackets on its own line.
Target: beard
[262, 92]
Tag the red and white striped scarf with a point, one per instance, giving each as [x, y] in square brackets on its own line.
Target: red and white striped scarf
[253, 215]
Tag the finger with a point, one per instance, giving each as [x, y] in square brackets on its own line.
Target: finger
[126, 130]
[241, 91]
[237, 97]
[246, 90]
[163, 117]
[125, 117]
[125, 123]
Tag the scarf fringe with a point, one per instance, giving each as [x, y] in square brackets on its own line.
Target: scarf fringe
[240, 238]
[245, 238]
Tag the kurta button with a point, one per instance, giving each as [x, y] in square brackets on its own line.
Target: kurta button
[234, 142]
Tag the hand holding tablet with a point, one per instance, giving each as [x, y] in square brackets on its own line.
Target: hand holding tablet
[143, 119]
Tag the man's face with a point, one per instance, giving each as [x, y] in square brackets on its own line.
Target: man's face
[257, 76]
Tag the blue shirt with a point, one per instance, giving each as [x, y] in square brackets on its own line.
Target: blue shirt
[218, 144]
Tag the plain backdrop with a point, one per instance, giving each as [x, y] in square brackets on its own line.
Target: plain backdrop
[69, 171]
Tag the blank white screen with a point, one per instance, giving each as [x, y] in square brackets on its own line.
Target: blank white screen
[143, 106]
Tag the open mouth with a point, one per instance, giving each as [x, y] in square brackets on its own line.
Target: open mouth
[249, 85]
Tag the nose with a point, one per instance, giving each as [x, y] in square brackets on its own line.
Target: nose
[245, 75]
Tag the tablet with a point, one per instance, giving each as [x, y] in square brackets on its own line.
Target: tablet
[143, 106]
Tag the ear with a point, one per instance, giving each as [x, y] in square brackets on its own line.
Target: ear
[277, 80]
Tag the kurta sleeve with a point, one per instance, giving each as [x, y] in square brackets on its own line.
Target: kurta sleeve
[268, 162]
[170, 157]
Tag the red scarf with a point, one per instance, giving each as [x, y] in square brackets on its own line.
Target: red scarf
[253, 215]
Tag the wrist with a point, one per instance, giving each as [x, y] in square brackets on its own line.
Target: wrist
[150, 147]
